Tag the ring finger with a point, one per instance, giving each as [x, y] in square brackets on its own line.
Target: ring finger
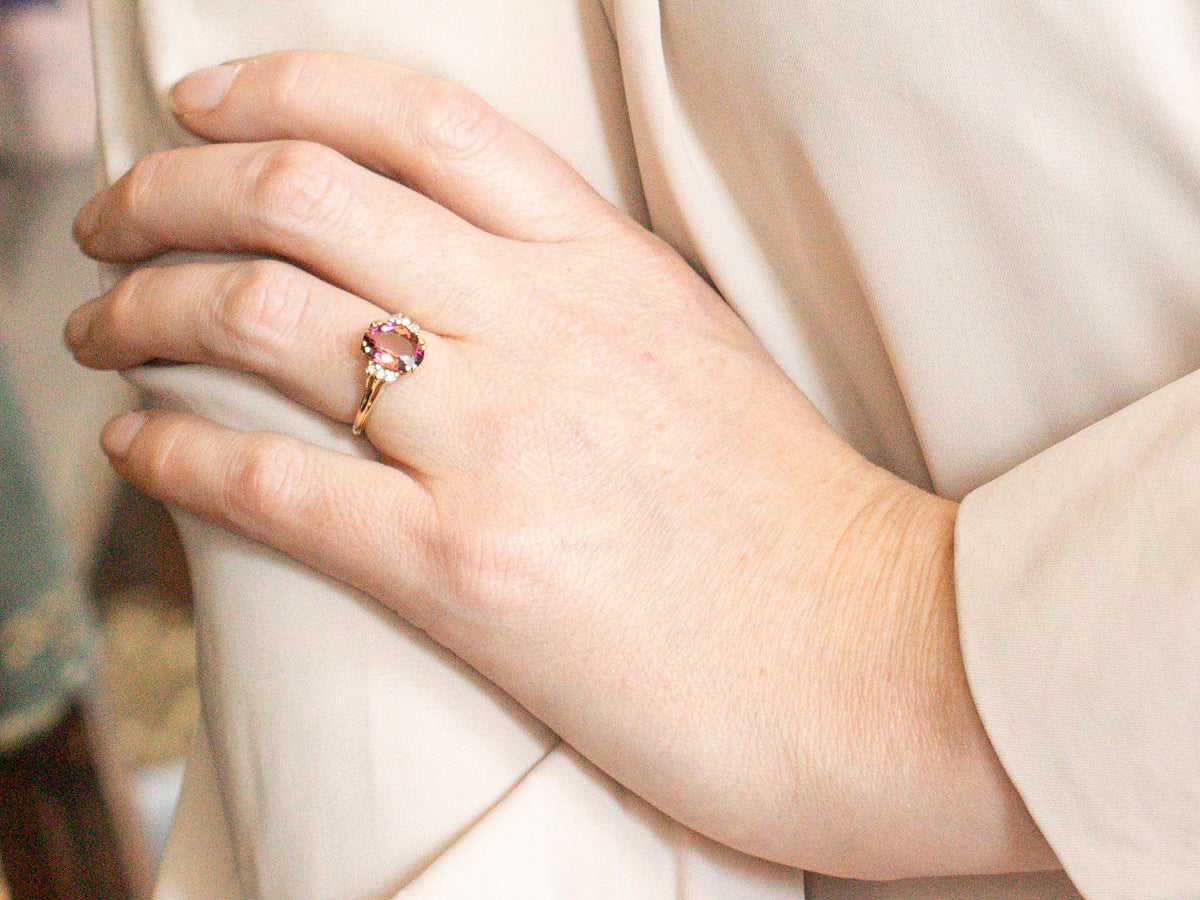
[270, 318]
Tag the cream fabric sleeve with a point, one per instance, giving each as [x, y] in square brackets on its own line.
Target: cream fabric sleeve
[1079, 603]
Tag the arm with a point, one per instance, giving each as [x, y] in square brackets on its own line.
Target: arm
[661, 599]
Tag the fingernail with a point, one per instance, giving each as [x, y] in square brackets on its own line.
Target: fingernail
[203, 90]
[118, 435]
[78, 325]
[87, 222]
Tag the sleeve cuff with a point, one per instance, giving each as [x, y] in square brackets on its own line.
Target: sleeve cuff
[1078, 584]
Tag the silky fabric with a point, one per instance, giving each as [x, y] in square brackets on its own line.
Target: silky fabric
[967, 231]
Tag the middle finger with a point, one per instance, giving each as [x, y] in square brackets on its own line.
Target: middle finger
[307, 203]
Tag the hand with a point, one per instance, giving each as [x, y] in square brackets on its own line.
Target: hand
[597, 489]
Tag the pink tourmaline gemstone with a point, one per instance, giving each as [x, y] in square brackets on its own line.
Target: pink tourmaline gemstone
[392, 346]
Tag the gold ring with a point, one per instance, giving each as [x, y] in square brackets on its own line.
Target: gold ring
[393, 347]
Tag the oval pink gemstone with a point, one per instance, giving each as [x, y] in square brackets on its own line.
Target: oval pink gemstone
[393, 346]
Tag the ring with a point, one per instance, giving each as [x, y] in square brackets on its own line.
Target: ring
[393, 347]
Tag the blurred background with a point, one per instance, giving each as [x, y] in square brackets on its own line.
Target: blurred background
[97, 665]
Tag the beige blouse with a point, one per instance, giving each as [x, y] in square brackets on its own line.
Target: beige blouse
[968, 231]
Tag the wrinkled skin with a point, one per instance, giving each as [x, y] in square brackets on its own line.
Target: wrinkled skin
[598, 489]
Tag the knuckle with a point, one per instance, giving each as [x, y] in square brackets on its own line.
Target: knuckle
[161, 444]
[509, 573]
[264, 484]
[489, 565]
[296, 186]
[122, 311]
[656, 283]
[259, 311]
[141, 185]
[580, 322]
[293, 81]
[451, 121]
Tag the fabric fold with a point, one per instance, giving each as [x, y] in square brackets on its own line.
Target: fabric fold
[1079, 604]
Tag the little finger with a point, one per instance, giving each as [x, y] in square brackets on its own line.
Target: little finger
[303, 500]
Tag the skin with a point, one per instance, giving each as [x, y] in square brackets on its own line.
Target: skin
[598, 489]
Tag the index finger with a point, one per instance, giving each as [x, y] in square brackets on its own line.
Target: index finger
[432, 134]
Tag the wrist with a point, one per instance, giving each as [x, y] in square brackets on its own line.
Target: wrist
[918, 758]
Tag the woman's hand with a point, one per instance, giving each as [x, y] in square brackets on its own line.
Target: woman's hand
[597, 489]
